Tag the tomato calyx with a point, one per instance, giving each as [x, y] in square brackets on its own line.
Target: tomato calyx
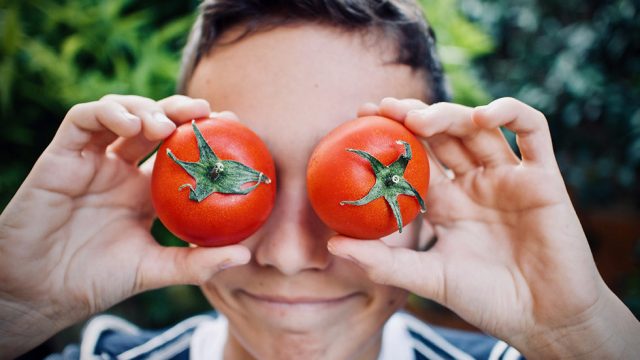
[214, 175]
[390, 182]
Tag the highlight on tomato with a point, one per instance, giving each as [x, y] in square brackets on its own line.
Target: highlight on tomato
[213, 182]
[368, 177]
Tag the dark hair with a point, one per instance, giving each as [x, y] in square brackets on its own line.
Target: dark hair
[401, 21]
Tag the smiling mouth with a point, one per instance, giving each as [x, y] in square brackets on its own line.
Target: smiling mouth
[297, 300]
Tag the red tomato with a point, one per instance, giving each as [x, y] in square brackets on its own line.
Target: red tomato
[339, 173]
[226, 197]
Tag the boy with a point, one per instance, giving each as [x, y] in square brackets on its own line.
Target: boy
[510, 256]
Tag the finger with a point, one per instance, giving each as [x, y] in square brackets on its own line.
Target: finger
[155, 126]
[182, 108]
[227, 115]
[155, 123]
[450, 152]
[132, 150]
[97, 124]
[147, 166]
[166, 266]
[368, 109]
[487, 146]
[529, 124]
[418, 272]
[438, 172]
[178, 107]
[427, 235]
[397, 109]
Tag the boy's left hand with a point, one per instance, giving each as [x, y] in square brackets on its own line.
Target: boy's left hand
[511, 257]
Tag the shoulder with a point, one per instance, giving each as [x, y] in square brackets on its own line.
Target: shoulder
[430, 342]
[110, 337]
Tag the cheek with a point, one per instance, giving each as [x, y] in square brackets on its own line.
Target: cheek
[220, 285]
[390, 298]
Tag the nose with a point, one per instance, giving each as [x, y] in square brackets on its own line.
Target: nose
[294, 239]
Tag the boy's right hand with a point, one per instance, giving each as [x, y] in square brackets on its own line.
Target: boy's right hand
[75, 238]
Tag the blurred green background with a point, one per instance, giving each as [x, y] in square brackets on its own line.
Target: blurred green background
[576, 61]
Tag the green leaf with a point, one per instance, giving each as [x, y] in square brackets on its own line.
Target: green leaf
[460, 42]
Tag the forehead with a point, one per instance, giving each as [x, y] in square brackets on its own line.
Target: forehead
[302, 80]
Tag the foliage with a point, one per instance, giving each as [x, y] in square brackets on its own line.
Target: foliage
[459, 43]
[59, 53]
[578, 63]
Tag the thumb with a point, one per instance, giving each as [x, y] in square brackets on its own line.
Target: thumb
[418, 272]
[166, 266]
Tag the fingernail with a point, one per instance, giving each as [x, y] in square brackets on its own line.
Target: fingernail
[370, 104]
[129, 116]
[162, 118]
[229, 264]
[337, 253]
[200, 101]
[228, 115]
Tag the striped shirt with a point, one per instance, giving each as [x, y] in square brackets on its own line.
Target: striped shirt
[203, 337]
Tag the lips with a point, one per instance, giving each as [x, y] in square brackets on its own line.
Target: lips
[296, 299]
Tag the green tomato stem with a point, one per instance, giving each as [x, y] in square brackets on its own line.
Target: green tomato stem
[390, 183]
[214, 175]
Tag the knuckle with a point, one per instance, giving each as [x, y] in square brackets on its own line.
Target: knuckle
[509, 101]
[461, 112]
[78, 108]
[81, 110]
[539, 116]
[539, 121]
[535, 116]
[141, 101]
[104, 107]
[134, 102]
[111, 97]
[520, 107]
[175, 98]
[108, 102]
[506, 103]
[415, 103]
[440, 106]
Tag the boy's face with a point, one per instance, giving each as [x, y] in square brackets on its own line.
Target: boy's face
[292, 85]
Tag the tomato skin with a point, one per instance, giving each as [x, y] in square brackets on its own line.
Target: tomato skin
[335, 175]
[220, 219]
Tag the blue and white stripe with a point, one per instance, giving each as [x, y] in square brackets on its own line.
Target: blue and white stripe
[404, 337]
